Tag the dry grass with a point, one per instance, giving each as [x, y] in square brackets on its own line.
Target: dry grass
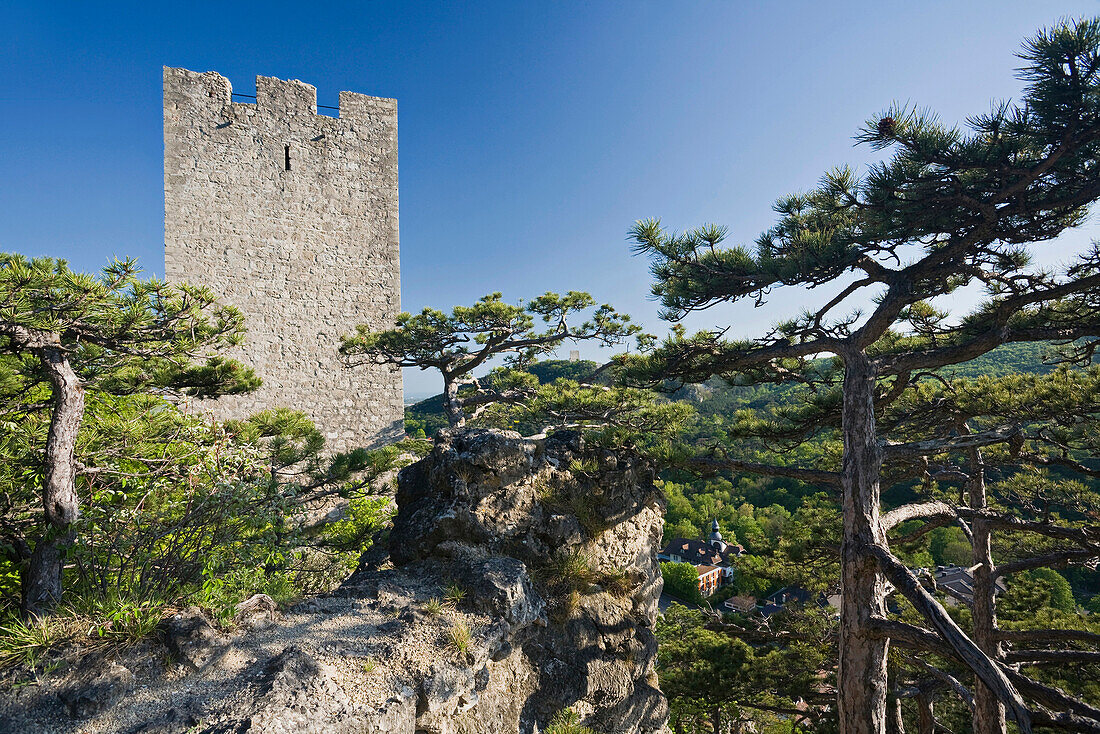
[460, 636]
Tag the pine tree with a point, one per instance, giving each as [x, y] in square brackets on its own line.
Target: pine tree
[66, 333]
[950, 208]
[470, 337]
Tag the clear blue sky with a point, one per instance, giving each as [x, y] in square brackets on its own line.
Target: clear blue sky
[532, 134]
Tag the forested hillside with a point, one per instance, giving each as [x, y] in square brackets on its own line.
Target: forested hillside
[788, 528]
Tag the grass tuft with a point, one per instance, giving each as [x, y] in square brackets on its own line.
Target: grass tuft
[572, 571]
[617, 582]
[580, 503]
[568, 721]
[24, 643]
[453, 594]
[460, 636]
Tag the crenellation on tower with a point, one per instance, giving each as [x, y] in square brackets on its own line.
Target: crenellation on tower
[282, 97]
[292, 217]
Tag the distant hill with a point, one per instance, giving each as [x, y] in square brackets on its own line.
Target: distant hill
[715, 397]
[427, 415]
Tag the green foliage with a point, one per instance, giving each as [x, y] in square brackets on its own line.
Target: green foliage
[726, 673]
[471, 337]
[124, 334]
[1035, 590]
[948, 207]
[24, 642]
[612, 416]
[426, 418]
[117, 619]
[181, 508]
[949, 547]
[222, 589]
[364, 516]
[172, 498]
[682, 581]
[567, 721]
[73, 348]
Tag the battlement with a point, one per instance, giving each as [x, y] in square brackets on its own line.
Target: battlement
[278, 97]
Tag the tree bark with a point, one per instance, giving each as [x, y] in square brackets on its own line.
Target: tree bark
[926, 719]
[456, 416]
[897, 722]
[989, 711]
[861, 677]
[42, 579]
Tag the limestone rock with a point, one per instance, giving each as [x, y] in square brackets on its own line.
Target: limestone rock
[474, 631]
[94, 686]
[190, 637]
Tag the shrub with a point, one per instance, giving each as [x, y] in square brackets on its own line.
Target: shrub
[568, 721]
[682, 581]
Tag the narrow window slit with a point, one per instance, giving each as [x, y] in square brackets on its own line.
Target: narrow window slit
[286, 157]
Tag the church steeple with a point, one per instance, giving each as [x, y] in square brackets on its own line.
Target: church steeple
[715, 538]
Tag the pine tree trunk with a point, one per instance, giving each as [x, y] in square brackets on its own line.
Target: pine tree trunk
[42, 578]
[861, 678]
[897, 722]
[456, 416]
[926, 720]
[989, 712]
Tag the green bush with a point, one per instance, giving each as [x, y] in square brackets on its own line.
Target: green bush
[568, 721]
[682, 581]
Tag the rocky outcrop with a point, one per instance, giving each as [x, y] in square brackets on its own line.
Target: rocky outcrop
[522, 579]
[558, 542]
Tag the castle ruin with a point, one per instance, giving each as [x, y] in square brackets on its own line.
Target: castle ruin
[292, 217]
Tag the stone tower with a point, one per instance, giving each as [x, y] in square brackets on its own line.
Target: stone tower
[292, 217]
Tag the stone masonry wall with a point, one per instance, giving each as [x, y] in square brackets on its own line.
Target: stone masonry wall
[292, 217]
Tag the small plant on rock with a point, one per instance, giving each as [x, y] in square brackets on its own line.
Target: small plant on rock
[572, 571]
[582, 504]
[453, 594]
[617, 582]
[433, 606]
[568, 721]
[459, 636]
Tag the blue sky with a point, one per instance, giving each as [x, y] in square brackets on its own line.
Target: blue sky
[531, 134]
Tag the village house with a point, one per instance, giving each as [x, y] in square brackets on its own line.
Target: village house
[958, 583]
[740, 604]
[713, 558]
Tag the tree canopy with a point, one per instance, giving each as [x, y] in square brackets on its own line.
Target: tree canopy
[468, 338]
[952, 207]
[65, 334]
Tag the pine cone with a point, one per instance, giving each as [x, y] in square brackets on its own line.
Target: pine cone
[886, 127]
